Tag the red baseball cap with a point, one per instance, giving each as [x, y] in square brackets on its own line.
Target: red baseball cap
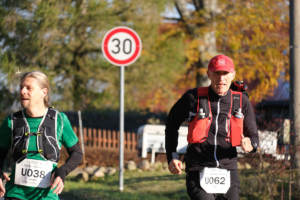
[221, 63]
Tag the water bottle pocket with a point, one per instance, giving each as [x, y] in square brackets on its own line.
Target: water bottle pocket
[236, 130]
[198, 130]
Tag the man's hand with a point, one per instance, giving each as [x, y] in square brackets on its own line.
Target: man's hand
[2, 188]
[58, 184]
[246, 144]
[175, 166]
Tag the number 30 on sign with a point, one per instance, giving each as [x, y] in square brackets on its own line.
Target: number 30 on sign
[121, 46]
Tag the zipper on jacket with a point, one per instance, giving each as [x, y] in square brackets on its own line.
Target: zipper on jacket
[216, 134]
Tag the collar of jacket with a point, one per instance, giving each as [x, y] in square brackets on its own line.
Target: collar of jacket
[214, 96]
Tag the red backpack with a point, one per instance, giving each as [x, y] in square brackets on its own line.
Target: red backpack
[200, 125]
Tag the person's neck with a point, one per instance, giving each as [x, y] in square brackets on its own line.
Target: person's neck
[36, 111]
[219, 94]
[222, 94]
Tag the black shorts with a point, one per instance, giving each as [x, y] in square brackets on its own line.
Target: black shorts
[196, 192]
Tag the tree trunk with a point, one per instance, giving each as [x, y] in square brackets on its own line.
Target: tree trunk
[295, 88]
[208, 49]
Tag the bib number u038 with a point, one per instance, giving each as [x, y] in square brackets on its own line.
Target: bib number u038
[215, 180]
[33, 173]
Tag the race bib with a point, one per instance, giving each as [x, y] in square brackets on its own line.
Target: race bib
[33, 173]
[215, 180]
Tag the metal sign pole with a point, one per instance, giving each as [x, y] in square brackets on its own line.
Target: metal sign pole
[81, 136]
[121, 179]
[121, 46]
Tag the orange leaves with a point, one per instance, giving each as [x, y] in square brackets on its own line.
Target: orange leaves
[156, 101]
[254, 33]
[258, 47]
[192, 52]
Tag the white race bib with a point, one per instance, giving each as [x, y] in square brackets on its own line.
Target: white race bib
[33, 173]
[215, 180]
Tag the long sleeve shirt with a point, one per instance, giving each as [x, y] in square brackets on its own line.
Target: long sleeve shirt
[216, 151]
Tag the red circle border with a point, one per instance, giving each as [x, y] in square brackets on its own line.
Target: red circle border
[117, 61]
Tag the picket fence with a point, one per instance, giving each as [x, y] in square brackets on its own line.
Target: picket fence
[107, 139]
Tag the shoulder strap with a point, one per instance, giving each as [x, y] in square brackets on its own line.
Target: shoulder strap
[203, 100]
[17, 119]
[202, 91]
[47, 142]
[17, 115]
[19, 137]
[236, 101]
[49, 120]
[51, 113]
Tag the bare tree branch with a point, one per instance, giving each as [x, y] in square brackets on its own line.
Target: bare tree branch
[172, 19]
[182, 19]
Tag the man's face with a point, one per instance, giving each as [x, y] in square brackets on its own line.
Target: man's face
[220, 81]
[31, 94]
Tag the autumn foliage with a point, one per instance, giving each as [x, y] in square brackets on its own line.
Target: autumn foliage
[254, 33]
[63, 38]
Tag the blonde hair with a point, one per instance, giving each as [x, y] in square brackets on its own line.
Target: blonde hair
[43, 82]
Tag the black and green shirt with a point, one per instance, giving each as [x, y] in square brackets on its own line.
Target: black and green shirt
[66, 137]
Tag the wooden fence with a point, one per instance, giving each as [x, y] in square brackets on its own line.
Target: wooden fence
[107, 139]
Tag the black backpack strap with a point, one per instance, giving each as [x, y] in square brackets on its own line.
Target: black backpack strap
[47, 140]
[236, 100]
[203, 102]
[48, 120]
[20, 136]
[18, 120]
[51, 113]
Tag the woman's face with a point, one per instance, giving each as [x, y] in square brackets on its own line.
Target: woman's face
[31, 94]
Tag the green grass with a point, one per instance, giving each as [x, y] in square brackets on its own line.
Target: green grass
[154, 185]
[137, 186]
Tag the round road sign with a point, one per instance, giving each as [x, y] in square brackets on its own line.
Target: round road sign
[121, 46]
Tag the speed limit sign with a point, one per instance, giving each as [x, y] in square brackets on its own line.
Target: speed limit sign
[121, 46]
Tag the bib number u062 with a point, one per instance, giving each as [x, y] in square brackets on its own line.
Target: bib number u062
[215, 180]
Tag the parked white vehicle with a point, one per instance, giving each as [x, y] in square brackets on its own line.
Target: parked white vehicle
[151, 138]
